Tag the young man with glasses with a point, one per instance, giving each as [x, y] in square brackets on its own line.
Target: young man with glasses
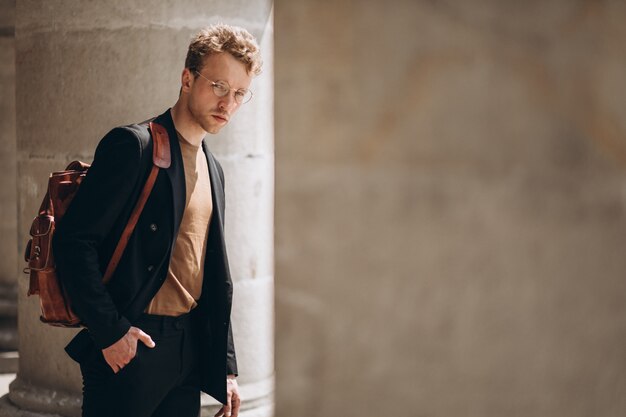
[159, 332]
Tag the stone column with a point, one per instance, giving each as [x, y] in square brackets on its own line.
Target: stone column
[451, 208]
[8, 191]
[82, 70]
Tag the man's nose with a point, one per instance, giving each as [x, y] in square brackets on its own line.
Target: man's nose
[228, 102]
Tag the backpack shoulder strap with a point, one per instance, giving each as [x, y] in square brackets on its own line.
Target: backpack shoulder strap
[161, 159]
[161, 150]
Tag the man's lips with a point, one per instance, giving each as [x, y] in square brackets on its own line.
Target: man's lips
[220, 118]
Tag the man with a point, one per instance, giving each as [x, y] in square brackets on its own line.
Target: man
[159, 332]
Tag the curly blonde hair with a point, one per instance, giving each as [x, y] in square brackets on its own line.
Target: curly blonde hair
[224, 38]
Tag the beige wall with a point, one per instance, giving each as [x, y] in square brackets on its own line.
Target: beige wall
[451, 208]
[8, 185]
[8, 227]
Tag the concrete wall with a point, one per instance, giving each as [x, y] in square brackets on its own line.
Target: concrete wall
[8, 229]
[451, 208]
[8, 186]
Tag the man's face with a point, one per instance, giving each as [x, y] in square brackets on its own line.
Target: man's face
[205, 107]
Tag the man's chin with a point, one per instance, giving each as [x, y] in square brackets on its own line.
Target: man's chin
[213, 129]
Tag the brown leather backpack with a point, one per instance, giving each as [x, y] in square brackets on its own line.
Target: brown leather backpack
[56, 307]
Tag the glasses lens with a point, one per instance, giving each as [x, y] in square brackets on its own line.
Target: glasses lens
[243, 96]
[220, 88]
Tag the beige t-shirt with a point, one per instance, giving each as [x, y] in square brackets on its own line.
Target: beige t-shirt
[183, 284]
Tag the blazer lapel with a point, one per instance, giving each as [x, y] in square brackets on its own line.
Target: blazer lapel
[217, 189]
[216, 248]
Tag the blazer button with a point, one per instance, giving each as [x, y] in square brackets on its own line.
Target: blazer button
[150, 268]
[153, 227]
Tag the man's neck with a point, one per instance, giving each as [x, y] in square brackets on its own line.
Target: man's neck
[185, 124]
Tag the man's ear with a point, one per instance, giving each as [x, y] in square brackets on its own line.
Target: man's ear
[186, 80]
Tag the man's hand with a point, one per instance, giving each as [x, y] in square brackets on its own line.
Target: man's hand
[231, 409]
[123, 351]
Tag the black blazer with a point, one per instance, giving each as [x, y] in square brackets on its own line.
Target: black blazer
[86, 237]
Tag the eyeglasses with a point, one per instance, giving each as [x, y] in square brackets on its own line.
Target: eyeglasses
[222, 88]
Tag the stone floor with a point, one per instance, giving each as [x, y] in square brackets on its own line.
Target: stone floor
[5, 380]
[8, 368]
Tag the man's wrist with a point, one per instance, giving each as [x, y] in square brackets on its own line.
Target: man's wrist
[231, 376]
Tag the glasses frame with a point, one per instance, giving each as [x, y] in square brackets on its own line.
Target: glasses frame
[215, 84]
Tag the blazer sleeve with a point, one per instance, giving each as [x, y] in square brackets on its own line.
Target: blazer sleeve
[231, 357]
[89, 219]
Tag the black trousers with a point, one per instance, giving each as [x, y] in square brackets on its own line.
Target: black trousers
[159, 382]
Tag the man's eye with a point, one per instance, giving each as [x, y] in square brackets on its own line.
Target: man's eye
[240, 94]
[221, 88]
